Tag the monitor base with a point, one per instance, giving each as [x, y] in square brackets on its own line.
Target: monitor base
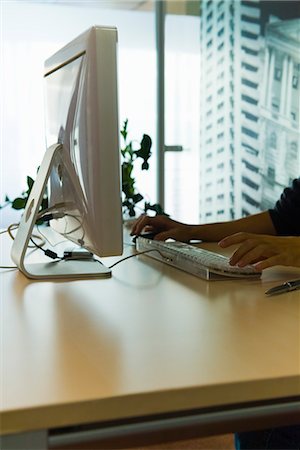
[67, 269]
[63, 269]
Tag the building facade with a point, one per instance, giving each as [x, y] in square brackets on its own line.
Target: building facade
[231, 78]
[280, 108]
[249, 108]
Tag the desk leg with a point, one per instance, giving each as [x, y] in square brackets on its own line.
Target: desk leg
[36, 440]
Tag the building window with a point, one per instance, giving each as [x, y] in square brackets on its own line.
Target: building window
[209, 16]
[273, 140]
[294, 115]
[249, 51]
[250, 183]
[293, 153]
[248, 99]
[295, 82]
[250, 166]
[249, 83]
[250, 200]
[221, 32]
[250, 116]
[250, 19]
[221, 17]
[250, 133]
[271, 175]
[277, 74]
[249, 67]
[249, 35]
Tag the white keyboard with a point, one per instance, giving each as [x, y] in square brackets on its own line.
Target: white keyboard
[196, 261]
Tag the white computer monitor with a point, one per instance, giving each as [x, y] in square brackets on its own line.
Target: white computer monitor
[83, 156]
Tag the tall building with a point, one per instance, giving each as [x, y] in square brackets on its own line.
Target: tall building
[280, 109]
[231, 82]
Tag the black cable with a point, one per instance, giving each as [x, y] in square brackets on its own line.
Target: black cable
[137, 254]
[47, 252]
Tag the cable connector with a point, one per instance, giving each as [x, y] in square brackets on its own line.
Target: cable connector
[51, 254]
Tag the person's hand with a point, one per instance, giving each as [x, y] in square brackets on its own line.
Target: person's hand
[163, 227]
[263, 250]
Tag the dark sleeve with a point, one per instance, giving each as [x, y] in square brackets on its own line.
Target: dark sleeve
[286, 213]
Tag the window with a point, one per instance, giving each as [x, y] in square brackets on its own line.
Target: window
[277, 74]
[250, 183]
[249, 83]
[295, 82]
[249, 35]
[221, 32]
[209, 43]
[294, 115]
[250, 100]
[250, 133]
[250, 116]
[250, 19]
[273, 140]
[209, 16]
[250, 200]
[249, 51]
[250, 166]
[249, 67]
[271, 175]
[221, 17]
[293, 153]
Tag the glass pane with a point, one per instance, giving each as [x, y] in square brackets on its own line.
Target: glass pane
[182, 116]
[250, 102]
[28, 39]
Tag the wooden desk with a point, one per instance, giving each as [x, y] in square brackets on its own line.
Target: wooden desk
[151, 342]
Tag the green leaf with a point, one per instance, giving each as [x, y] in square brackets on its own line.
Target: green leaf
[156, 207]
[6, 199]
[124, 130]
[137, 198]
[145, 151]
[30, 182]
[19, 203]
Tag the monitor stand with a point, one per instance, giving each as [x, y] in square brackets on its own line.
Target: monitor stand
[62, 269]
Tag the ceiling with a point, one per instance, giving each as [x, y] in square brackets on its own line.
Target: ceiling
[181, 7]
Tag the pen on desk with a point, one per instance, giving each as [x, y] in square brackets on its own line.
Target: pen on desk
[285, 287]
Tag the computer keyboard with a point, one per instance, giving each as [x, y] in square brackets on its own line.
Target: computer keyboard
[196, 261]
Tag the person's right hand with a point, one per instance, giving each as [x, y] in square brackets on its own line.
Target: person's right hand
[163, 227]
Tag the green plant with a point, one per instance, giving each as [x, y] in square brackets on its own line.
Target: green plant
[20, 201]
[131, 197]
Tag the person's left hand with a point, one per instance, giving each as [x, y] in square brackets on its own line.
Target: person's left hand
[263, 250]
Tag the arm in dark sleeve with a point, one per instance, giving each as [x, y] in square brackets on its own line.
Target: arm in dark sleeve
[286, 213]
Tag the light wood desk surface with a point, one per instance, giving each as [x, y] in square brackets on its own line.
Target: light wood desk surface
[149, 340]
